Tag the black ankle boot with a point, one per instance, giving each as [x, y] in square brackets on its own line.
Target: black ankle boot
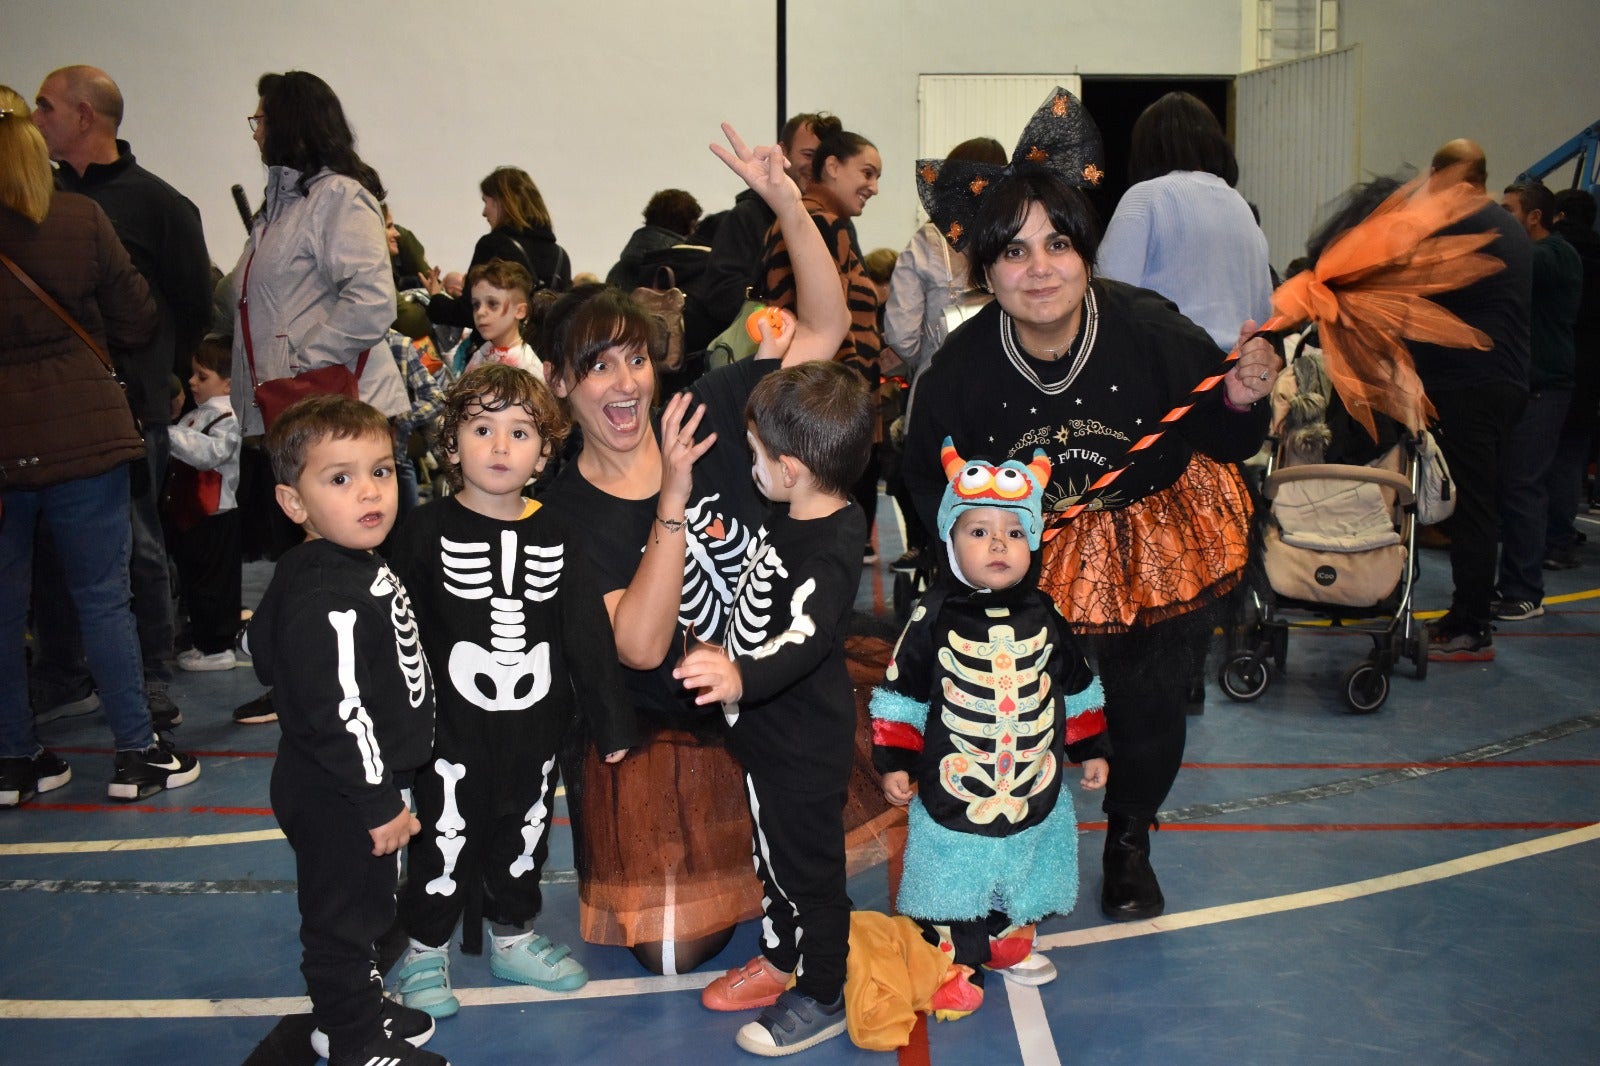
[1130, 890]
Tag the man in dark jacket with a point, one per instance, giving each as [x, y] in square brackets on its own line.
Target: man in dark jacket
[79, 109]
[1556, 288]
[1574, 223]
[736, 250]
[1479, 397]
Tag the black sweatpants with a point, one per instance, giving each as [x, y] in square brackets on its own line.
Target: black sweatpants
[209, 557]
[494, 856]
[1146, 674]
[799, 853]
[346, 897]
[969, 940]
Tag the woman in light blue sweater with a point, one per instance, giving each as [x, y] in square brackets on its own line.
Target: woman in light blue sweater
[1182, 229]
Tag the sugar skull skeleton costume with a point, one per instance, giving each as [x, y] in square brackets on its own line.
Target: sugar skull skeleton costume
[985, 699]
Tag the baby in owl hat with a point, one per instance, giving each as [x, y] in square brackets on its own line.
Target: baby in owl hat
[985, 700]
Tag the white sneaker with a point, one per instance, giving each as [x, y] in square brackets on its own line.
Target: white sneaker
[195, 660]
[1033, 970]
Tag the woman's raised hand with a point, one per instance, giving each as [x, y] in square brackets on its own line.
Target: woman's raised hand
[679, 450]
[762, 168]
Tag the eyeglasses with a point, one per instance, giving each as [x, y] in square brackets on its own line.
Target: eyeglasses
[255, 122]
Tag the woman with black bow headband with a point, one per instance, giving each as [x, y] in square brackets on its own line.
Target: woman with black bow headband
[1085, 368]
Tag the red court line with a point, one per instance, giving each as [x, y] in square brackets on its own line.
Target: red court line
[1354, 827]
[196, 754]
[147, 808]
[1524, 763]
[915, 1053]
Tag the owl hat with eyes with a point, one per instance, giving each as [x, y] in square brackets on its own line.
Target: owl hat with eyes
[1011, 486]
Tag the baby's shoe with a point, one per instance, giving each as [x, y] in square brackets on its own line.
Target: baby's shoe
[537, 960]
[752, 986]
[957, 997]
[1011, 953]
[423, 982]
[793, 1023]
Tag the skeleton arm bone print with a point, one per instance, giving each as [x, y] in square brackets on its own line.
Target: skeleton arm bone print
[776, 644]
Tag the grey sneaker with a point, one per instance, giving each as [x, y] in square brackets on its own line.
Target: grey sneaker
[164, 714]
[52, 704]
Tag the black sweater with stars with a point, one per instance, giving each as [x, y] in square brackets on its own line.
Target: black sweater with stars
[1144, 360]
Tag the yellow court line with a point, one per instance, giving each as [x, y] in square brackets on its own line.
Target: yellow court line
[82, 847]
[275, 1006]
[1169, 923]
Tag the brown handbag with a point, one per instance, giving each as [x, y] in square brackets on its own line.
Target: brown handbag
[274, 397]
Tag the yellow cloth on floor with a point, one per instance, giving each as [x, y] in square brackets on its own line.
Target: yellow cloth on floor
[890, 976]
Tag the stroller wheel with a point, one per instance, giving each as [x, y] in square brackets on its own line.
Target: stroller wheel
[1244, 676]
[1419, 653]
[1366, 687]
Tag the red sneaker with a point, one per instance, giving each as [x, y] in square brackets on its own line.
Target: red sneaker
[752, 986]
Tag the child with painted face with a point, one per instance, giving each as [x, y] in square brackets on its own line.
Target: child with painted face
[500, 291]
[985, 700]
[788, 700]
[515, 630]
[335, 635]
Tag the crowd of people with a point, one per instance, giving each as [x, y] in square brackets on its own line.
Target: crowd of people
[506, 557]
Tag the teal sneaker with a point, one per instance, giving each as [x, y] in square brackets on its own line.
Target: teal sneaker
[537, 960]
[423, 982]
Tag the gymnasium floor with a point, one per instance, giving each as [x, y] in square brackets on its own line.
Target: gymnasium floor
[1420, 885]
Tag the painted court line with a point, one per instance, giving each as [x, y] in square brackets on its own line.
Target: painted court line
[1422, 875]
[1034, 1037]
[277, 1006]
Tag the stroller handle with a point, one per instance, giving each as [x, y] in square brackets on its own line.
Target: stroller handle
[1389, 479]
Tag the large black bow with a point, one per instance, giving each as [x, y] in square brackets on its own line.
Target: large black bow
[1060, 139]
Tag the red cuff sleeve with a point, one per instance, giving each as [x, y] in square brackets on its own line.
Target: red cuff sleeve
[888, 734]
[1079, 726]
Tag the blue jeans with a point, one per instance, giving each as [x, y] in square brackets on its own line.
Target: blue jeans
[89, 520]
[58, 659]
[1524, 501]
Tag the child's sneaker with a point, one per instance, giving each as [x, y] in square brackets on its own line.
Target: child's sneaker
[956, 998]
[196, 661]
[413, 1026]
[1032, 970]
[22, 779]
[538, 961]
[389, 1051]
[258, 711]
[792, 1024]
[423, 982]
[752, 986]
[1010, 947]
[140, 774]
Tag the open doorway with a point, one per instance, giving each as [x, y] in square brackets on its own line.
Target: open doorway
[1116, 103]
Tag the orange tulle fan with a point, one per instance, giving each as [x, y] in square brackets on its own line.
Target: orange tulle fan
[1368, 295]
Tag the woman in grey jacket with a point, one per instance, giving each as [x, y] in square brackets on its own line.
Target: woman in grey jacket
[314, 282]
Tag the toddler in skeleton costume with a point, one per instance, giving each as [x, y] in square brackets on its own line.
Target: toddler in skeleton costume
[986, 697]
[519, 641]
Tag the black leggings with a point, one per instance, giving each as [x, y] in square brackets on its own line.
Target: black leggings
[1147, 674]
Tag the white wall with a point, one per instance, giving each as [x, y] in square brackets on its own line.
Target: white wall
[602, 103]
[1518, 78]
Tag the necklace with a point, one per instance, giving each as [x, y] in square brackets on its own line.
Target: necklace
[1091, 327]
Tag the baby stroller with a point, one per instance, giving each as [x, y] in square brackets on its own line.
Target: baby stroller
[1337, 541]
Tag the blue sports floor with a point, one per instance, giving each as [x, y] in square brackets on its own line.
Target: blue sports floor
[1421, 885]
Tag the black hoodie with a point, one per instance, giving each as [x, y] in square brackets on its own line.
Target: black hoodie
[336, 639]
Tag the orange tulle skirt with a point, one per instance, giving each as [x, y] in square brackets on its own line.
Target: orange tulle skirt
[1170, 553]
[666, 831]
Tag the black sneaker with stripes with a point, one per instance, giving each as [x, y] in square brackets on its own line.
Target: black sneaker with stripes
[389, 1051]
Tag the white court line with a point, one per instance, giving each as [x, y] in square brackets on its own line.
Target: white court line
[1169, 923]
[506, 994]
[1033, 1026]
[80, 847]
